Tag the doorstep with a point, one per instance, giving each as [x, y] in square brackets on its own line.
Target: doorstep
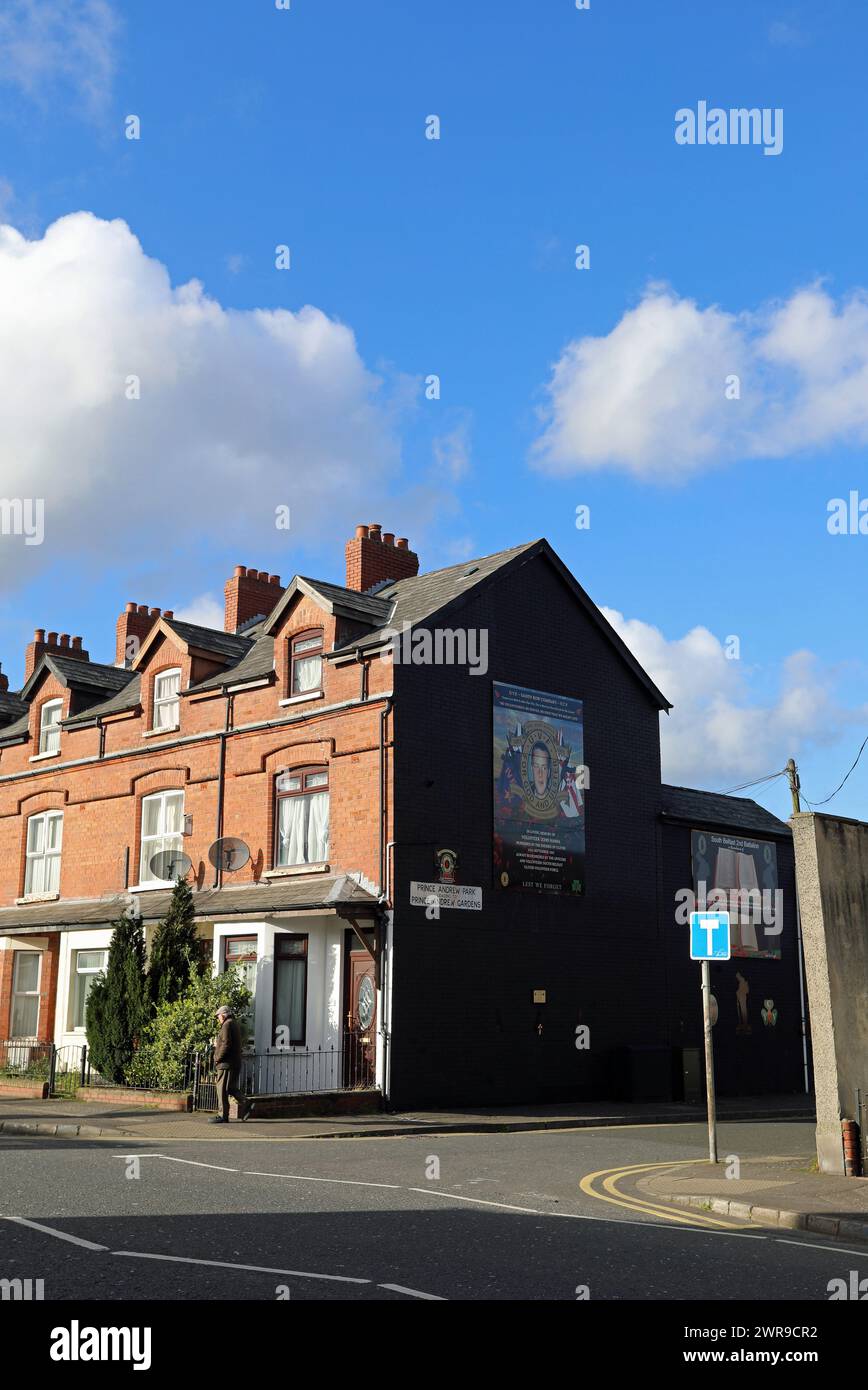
[300, 1104]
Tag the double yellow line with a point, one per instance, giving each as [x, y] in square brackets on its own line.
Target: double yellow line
[611, 1193]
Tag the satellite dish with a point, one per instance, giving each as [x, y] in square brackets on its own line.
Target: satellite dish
[229, 854]
[170, 864]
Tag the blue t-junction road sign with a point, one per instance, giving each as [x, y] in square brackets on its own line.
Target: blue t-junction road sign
[709, 936]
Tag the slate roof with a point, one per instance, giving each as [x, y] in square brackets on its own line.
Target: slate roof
[255, 665]
[347, 603]
[712, 809]
[128, 697]
[81, 675]
[11, 706]
[11, 733]
[417, 599]
[250, 656]
[210, 639]
[258, 899]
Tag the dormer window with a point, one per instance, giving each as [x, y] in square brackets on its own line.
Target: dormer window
[306, 663]
[49, 726]
[167, 700]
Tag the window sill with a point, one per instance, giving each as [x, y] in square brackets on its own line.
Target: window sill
[155, 733]
[302, 699]
[149, 887]
[37, 898]
[38, 757]
[291, 870]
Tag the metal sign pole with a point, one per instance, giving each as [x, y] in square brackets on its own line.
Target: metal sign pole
[709, 1062]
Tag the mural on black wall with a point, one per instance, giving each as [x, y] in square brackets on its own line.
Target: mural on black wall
[540, 784]
[740, 876]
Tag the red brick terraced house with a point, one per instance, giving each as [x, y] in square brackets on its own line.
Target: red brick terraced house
[355, 780]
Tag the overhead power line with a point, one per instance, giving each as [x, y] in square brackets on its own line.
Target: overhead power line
[745, 786]
[841, 783]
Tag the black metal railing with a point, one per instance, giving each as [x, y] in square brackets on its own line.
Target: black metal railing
[347, 1065]
[27, 1062]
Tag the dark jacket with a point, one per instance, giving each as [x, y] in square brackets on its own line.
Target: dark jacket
[227, 1048]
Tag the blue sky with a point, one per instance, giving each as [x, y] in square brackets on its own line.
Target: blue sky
[455, 257]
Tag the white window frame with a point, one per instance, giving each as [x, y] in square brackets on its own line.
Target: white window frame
[32, 875]
[162, 702]
[313, 643]
[308, 785]
[49, 729]
[74, 974]
[146, 850]
[25, 993]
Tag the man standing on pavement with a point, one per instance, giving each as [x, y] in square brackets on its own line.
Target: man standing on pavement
[227, 1062]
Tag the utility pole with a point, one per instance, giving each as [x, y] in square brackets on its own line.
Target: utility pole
[795, 784]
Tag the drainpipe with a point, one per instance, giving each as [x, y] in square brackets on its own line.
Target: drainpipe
[384, 714]
[385, 962]
[386, 895]
[363, 675]
[221, 785]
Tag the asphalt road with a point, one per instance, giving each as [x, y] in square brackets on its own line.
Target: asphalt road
[460, 1217]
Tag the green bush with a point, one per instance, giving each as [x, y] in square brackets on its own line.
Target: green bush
[183, 1025]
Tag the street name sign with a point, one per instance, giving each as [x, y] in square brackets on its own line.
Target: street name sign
[449, 895]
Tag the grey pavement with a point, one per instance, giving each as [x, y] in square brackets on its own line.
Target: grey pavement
[784, 1192]
[19, 1116]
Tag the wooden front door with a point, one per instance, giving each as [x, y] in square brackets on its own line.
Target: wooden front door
[362, 1020]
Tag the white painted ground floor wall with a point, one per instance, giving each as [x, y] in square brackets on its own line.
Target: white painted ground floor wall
[316, 1064]
[71, 943]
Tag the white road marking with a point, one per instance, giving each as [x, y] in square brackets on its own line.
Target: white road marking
[284, 1273]
[480, 1201]
[810, 1245]
[170, 1158]
[431, 1192]
[256, 1269]
[303, 1177]
[414, 1293]
[50, 1231]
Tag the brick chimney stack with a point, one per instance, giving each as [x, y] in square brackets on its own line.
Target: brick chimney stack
[249, 594]
[54, 645]
[4, 682]
[133, 627]
[374, 555]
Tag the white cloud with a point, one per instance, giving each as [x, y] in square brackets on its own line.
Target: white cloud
[206, 610]
[783, 34]
[651, 397]
[62, 44]
[240, 412]
[452, 452]
[717, 735]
